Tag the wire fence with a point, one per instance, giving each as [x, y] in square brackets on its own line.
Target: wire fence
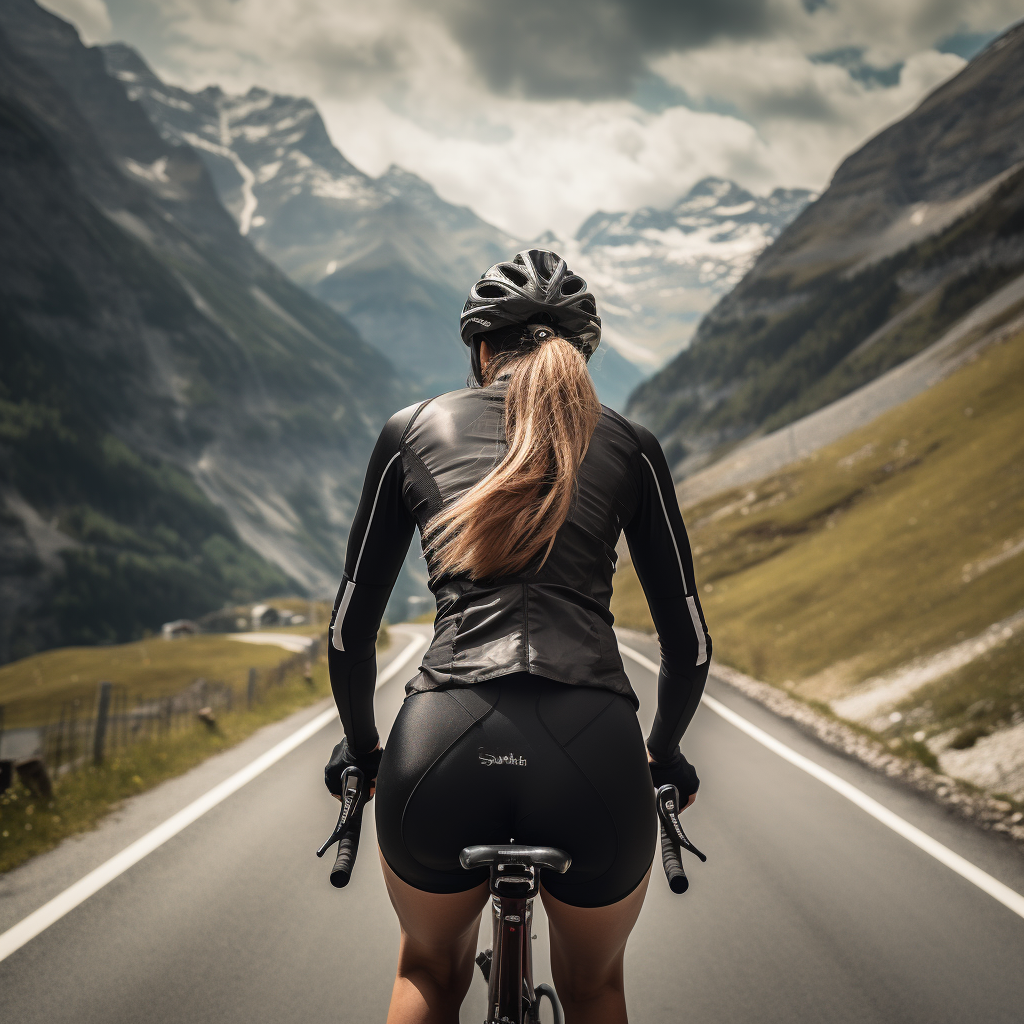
[86, 732]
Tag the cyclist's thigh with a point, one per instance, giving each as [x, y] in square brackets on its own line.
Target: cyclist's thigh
[428, 808]
[593, 797]
[439, 928]
[587, 943]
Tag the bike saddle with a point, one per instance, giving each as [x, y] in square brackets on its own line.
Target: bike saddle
[528, 856]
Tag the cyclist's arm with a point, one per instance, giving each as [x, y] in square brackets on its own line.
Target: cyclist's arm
[377, 545]
[661, 555]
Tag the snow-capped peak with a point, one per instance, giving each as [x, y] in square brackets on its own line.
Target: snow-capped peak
[657, 271]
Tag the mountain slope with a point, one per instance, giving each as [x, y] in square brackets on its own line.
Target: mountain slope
[916, 228]
[144, 334]
[97, 542]
[876, 554]
[386, 252]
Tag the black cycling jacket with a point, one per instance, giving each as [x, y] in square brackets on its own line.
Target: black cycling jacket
[553, 622]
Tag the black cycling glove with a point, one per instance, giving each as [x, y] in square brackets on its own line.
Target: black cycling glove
[677, 771]
[342, 758]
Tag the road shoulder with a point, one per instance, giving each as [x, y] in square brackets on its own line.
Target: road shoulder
[952, 796]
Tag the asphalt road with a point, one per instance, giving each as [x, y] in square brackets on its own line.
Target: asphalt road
[808, 909]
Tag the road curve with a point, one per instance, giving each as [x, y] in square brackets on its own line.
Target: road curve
[808, 910]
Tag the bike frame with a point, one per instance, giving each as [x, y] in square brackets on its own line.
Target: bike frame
[510, 978]
[508, 964]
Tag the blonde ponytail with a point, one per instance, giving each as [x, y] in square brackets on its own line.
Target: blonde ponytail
[500, 525]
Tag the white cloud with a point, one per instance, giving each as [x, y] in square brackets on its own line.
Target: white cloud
[321, 47]
[809, 115]
[90, 17]
[395, 85]
[558, 162]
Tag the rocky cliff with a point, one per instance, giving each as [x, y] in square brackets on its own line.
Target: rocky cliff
[388, 252]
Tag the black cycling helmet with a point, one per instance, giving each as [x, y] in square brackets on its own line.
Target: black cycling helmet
[535, 287]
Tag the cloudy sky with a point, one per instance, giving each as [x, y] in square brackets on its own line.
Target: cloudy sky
[538, 112]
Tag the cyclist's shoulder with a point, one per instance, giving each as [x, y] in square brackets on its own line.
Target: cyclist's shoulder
[423, 410]
[628, 432]
[446, 416]
[395, 429]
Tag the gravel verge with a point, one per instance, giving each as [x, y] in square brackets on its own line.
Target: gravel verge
[983, 810]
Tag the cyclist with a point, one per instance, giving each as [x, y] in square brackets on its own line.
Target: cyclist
[520, 724]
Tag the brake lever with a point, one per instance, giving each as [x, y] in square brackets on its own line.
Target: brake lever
[351, 799]
[668, 801]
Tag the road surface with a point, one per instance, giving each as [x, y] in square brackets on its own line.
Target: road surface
[808, 910]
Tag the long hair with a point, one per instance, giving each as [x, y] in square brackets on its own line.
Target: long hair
[500, 525]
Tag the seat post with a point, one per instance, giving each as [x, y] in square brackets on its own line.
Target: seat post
[511, 939]
[508, 966]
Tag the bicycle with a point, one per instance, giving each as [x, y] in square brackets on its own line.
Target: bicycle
[507, 967]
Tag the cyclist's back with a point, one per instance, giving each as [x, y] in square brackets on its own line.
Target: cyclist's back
[553, 620]
[520, 724]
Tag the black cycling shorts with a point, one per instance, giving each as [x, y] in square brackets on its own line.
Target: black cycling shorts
[518, 759]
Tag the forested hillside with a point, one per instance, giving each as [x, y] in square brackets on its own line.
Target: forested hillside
[181, 424]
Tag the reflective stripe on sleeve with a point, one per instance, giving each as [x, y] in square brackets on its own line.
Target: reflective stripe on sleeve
[698, 628]
[668, 522]
[369, 522]
[702, 646]
[339, 619]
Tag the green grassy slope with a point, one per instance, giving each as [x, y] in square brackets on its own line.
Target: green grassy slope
[851, 562]
[81, 799]
[33, 688]
[983, 696]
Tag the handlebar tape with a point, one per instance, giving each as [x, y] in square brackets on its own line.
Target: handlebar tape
[347, 850]
[677, 880]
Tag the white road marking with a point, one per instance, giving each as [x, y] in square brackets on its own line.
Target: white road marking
[39, 920]
[997, 890]
[289, 641]
[416, 641]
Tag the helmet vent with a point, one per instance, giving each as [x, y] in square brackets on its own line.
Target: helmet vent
[546, 262]
[491, 291]
[533, 287]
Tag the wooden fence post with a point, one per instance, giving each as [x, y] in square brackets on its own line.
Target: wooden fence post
[102, 717]
[251, 690]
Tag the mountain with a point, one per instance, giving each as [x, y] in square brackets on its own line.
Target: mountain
[180, 424]
[388, 252]
[916, 228]
[658, 271]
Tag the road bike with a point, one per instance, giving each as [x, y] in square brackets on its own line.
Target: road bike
[507, 967]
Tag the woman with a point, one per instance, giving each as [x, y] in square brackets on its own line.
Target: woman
[520, 725]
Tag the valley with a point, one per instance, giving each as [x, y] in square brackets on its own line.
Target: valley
[182, 425]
